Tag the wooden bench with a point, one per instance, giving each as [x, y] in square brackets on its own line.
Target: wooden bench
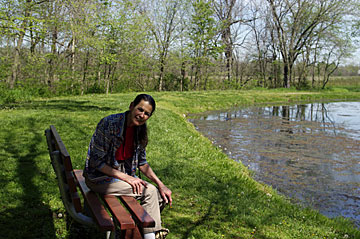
[105, 212]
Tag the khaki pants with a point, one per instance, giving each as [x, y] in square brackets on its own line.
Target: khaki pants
[150, 198]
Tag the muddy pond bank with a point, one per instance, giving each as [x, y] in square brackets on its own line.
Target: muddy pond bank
[309, 152]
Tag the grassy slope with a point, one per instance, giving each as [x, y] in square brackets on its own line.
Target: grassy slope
[214, 196]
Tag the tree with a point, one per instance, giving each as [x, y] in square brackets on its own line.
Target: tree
[229, 13]
[295, 22]
[202, 39]
[165, 24]
[337, 48]
[261, 36]
[21, 29]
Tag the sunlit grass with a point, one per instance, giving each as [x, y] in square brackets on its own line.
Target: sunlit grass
[215, 197]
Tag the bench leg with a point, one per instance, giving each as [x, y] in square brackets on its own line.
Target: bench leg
[132, 234]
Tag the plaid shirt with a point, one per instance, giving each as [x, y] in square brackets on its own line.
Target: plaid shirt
[105, 141]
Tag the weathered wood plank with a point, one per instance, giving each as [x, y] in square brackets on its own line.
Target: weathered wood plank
[139, 214]
[119, 212]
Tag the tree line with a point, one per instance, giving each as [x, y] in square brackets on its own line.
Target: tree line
[90, 46]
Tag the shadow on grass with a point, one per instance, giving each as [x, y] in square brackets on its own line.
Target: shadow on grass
[198, 223]
[26, 185]
[63, 105]
[32, 217]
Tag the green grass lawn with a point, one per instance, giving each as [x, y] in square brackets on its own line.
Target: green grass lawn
[214, 197]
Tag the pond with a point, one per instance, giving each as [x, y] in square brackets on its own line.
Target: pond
[309, 152]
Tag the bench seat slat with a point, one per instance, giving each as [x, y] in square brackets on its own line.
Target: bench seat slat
[142, 218]
[117, 210]
[99, 212]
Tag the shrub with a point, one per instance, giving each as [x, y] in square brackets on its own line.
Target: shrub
[21, 93]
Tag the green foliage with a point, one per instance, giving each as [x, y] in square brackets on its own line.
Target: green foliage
[203, 46]
[5, 67]
[203, 31]
[304, 84]
[171, 82]
[25, 93]
[128, 45]
[95, 89]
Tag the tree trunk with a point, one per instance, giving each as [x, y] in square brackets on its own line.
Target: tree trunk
[73, 62]
[51, 76]
[197, 75]
[16, 63]
[228, 52]
[224, 12]
[313, 68]
[86, 66]
[161, 76]
[107, 79]
[191, 75]
[286, 75]
[183, 74]
[206, 77]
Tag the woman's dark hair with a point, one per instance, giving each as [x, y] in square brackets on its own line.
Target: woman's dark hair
[142, 132]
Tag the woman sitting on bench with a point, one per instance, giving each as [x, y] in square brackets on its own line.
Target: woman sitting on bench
[116, 150]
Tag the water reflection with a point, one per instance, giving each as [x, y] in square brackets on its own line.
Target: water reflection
[309, 152]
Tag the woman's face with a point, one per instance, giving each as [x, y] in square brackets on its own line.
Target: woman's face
[139, 113]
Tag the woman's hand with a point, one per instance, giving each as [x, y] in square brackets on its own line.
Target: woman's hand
[135, 183]
[163, 190]
[165, 194]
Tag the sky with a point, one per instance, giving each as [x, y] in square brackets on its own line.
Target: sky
[355, 60]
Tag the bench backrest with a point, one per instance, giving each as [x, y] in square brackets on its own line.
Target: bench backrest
[61, 162]
[69, 181]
